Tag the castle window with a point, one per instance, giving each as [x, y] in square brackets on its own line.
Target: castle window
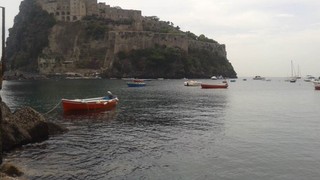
[75, 18]
[68, 18]
[68, 13]
[63, 13]
[57, 13]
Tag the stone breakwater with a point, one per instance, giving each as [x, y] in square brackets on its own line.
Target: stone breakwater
[22, 127]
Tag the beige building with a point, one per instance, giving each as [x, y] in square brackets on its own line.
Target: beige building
[74, 10]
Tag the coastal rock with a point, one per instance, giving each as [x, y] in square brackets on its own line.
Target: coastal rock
[10, 170]
[54, 128]
[6, 177]
[25, 126]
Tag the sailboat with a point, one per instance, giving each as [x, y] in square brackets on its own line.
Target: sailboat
[293, 79]
[299, 73]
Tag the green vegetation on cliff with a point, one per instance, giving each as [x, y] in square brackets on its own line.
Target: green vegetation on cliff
[169, 62]
[28, 36]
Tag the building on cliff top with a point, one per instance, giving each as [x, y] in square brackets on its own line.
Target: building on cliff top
[74, 10]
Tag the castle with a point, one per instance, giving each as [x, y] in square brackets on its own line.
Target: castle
[75, 10]
[62, 54]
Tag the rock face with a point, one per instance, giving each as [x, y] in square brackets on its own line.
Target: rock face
[93, 44]
[24, 126]
[19, 128]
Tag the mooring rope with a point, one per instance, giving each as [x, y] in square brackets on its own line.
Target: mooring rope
[53, 108]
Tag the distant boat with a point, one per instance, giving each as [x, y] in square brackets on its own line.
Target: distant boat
[309, 78]
[293, 78]
[224, 85]
[136, 84]
[192, 83]
[99, 103]
[259, 78]
[232, 80]
[214, 78]
[127, 79]
[138, 80]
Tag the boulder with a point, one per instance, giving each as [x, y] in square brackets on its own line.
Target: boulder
[10, 170]
[25, 126]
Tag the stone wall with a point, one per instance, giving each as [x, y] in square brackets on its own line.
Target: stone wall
[127, 41]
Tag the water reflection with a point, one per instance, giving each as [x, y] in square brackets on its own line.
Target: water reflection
[98, 115]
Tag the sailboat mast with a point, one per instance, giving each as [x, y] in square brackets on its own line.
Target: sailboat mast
[291, 69]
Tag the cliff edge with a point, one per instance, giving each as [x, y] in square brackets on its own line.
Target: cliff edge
[93, 38]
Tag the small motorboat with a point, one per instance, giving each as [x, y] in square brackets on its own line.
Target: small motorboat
[192, 83]
[136, 83]
[98, 103]
[214, 78]
[259, 78]
[224, 85]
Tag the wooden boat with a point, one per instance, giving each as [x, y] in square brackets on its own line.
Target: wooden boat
[214, 86]
[99, 103]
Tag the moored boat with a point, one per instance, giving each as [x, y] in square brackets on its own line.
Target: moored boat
[214, 86]
[258, 78]
[316, 85]
[309, 78]
[98, 103]
[136, 84]
[192, 83]
[214, 78]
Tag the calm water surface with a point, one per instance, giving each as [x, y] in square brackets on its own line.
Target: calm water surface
[252, 130]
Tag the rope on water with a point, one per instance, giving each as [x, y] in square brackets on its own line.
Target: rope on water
[53, 108]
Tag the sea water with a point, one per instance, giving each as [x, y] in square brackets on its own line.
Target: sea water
[165, 130]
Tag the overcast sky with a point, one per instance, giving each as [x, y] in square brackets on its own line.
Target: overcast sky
[262, 37]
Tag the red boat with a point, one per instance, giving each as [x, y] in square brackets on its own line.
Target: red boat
[214, 86]
[99, 103]
[317, 87]
[138, 80]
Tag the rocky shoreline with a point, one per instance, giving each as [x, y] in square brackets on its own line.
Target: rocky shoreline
[19, 128]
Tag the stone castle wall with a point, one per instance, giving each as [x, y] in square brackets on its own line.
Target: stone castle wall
[127, 41]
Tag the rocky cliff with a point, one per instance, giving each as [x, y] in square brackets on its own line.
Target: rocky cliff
[112, 47]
